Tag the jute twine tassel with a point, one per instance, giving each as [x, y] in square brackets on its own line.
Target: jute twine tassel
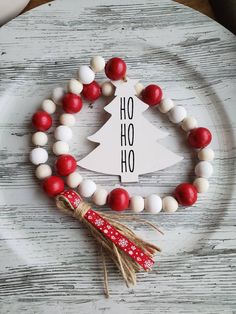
[71, 203]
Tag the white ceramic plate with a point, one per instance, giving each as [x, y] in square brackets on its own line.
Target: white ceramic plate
[48, 262]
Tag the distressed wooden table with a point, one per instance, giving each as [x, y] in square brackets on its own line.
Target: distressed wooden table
[48, 262]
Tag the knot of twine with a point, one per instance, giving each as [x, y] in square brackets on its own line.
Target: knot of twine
[65, 206]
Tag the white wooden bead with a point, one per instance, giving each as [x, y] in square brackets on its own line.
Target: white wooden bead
[74, 179]
[86, 75]
[108, 89]
[201, 184]
[39, 138]
[38, 156]
[75, 87]
[63, 133]
[57, 95]
[153, 204]
[204, 169]
[170, 205]
[87, 188]
[48, 106]
[137, 203]
[97, 64]
[206, 154]
[100, 197]
[139, 88]
[166, 105]
[60, 148]
[67, 119]
[43, 171]
[177, 114]
[189, 123]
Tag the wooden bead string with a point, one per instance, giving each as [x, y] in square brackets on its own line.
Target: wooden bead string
[87, 188]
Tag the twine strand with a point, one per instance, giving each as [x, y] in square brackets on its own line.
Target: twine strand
[127, 266]
[105, 275]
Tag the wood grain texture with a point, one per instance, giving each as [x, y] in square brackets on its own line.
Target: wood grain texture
[48, 262]
[202, 6]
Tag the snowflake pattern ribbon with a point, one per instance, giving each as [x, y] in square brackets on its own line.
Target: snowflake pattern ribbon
[110, 232]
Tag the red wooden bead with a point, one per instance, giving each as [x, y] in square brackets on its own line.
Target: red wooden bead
[72, 103]
[65, 164]
[118, 199]
[186, 194]
[53, 185]
[91, 91]
[115, 69]
[199, 137]
[152, 95]
[42, 121]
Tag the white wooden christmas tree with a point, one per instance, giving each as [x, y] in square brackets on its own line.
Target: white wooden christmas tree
[128, 142]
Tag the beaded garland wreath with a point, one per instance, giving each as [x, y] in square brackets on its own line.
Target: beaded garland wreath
[129, 253]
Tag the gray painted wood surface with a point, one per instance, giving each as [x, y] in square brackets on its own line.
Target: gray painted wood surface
[48, 263]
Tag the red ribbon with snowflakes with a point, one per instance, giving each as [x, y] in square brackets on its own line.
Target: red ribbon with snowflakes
[110, 232]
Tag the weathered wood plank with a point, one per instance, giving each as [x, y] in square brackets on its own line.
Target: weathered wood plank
[202, 6]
